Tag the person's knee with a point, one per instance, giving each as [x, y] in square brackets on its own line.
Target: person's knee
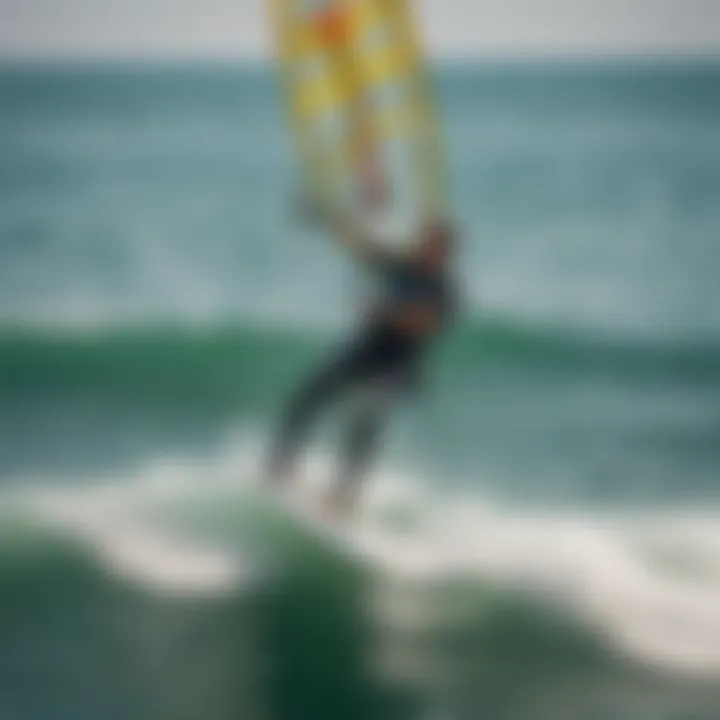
[375, 398]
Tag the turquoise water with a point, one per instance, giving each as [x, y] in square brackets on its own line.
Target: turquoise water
[158, 299]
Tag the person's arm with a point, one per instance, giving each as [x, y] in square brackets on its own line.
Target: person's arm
[353, 236]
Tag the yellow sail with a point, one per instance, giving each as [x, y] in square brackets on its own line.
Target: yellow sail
[360, 106]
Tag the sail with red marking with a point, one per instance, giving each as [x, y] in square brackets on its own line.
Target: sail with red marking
[360, 108]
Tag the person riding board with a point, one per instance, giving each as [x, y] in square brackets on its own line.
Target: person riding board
[385, 356]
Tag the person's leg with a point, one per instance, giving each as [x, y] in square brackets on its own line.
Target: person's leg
[301, 412]
[363, 436]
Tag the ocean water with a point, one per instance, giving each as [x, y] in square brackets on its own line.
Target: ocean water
[541, 536]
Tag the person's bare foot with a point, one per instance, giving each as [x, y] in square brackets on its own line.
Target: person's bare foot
[279, 478]
[339, 504]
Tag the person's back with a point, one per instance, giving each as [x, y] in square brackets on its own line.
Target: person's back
[407, 287]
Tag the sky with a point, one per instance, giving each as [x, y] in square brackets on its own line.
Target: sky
[452, 28]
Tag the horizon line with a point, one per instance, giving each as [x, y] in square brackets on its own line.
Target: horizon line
[432, 58]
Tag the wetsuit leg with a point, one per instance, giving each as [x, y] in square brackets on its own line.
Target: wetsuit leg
[305, 406]
[365, 431]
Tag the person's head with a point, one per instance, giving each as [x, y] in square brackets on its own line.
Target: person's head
[436, 244]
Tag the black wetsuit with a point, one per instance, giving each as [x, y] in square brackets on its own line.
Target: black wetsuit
[382, 357]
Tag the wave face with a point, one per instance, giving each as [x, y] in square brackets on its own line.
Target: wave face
[544, 415]
[180, 589]
[234, 358]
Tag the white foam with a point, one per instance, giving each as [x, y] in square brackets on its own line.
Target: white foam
[650, 584]
[117, 522]
[647, 582]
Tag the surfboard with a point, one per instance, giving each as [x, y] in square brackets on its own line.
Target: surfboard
[361, 110]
